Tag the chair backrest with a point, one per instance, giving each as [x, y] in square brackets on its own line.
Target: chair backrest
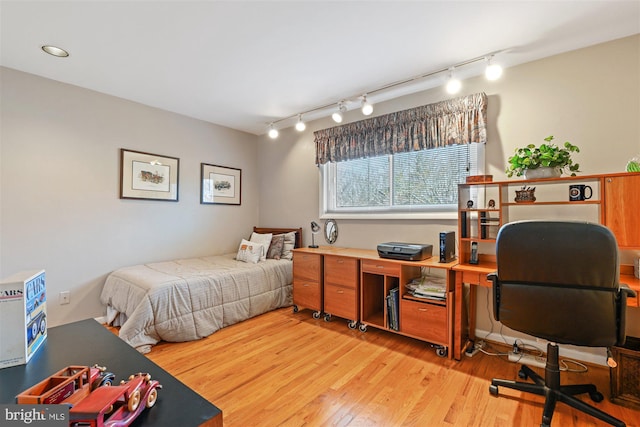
[559, 281]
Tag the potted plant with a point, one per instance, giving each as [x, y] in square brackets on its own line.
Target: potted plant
[546, 161]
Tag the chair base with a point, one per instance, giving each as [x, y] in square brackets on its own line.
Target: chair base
[554, 392]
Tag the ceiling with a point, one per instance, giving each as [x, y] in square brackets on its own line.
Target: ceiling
[244, 64]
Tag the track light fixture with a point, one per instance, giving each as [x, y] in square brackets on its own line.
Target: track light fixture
[273, 132]
[493, 71]
[338, 115]
[453, 85]
[300, 126]
[367, 108]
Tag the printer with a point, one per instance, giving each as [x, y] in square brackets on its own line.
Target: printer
[405, 251]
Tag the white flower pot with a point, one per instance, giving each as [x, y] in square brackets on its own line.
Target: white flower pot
[542, 172]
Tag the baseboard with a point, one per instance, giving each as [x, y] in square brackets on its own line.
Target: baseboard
[592, 355]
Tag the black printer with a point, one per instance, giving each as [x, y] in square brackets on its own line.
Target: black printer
[405, 251]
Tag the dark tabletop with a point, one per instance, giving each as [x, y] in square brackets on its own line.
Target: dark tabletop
[87, 343]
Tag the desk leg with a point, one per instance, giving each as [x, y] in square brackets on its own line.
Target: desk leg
[461, 336]
[458, 316]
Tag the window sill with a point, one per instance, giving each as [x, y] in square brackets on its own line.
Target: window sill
[390, 215]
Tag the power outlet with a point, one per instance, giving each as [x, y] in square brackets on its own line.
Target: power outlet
[64, 297]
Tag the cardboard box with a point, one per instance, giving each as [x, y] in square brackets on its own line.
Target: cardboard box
[23, 315]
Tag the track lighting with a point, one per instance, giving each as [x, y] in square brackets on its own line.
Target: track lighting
[367, 108]
[493, 71]
[453, 85]
[273, 132]
[338, 115]
[300, 126]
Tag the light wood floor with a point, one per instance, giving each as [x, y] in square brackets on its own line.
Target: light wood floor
[286, 369]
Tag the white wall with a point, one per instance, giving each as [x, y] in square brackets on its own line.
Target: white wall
[590, 97]
[60, 208]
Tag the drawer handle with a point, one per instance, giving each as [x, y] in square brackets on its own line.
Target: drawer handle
[379, 266]
[306, 285]
[422, 309]
[340, 291]
[340, 261]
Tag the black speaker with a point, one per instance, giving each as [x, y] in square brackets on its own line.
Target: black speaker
[447, 246]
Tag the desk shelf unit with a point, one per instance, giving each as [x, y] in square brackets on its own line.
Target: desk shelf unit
[355, 284]
[486, 206]
[615, 203]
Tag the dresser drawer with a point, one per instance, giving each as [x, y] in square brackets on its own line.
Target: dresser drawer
[424, 320]
[307, 266]
[307, 294]
[340, 270]
[381, 267]
[341, 301]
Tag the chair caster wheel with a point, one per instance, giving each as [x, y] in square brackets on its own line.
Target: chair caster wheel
[316, 314]
[522, 375]
[295, 309]
[596, 396]
[493, 390]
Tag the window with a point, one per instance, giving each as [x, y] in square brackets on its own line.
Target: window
[416, 184]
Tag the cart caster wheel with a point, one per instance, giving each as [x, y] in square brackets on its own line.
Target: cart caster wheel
[596, 396]
[316, 314]
[353, 325]
[493, 390]
[523, 375]
[295, 309]
[363, 328]
[441, 351]
[327, 317]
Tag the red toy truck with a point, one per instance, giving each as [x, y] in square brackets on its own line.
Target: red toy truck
[115, 406]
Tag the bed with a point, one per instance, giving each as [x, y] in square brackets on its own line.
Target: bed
[189, 299]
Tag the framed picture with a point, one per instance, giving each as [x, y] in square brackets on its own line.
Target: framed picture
[148, 176]
[220, 185]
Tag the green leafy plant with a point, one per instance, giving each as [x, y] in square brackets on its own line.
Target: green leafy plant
[546, 155]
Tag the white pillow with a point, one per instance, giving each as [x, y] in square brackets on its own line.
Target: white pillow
[264, 240]
[249, 251]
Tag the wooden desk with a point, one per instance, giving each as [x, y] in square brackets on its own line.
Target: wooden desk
[366, 290]
[86, 343]
[476, 275]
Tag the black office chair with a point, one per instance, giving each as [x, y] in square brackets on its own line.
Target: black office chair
[559, 281]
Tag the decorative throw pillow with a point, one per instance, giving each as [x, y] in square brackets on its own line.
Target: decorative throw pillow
[264, 240]
[249, 251]
[289, 244]
[275, 249]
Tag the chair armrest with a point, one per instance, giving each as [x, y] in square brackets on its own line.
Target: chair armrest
[492, 276]
[625, 289]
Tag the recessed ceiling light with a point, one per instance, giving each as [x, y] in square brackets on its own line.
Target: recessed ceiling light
[55, 51]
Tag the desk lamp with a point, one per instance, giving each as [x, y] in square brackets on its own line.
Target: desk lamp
[314, 230]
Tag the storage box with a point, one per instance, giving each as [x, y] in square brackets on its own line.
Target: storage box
[625, 379]
[23, 316]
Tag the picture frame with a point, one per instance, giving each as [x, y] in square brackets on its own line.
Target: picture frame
[148, 176]
[220, 185]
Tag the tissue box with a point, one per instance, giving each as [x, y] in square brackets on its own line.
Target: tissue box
[23, 316]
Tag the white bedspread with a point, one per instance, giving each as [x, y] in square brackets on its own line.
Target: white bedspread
[189, 299]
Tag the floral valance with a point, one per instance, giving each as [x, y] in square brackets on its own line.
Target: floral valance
[456, 121]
